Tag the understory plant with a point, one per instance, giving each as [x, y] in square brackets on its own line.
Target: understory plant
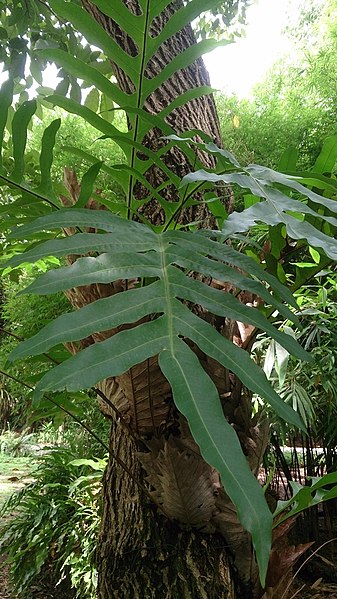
[166, 289]
[51, 541]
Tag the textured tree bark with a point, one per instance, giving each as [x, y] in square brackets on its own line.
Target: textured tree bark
[196, 114]
[142, 554]
[199, 113]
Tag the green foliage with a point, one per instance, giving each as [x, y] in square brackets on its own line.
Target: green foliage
[295, 106]
[21, 316]
[161, 259]
[318, 490]
[280, 115]
[74, 135]
[56, 522]
[276, 208]
[318, 383]
[229, 18]
[15, 444]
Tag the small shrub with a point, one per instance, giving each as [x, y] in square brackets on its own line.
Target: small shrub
[16, 444]
[56, 520]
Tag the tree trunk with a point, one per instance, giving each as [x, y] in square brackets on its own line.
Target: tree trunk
[142, 554]
[152, 542]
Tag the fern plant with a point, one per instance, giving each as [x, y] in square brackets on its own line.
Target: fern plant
[171, 305]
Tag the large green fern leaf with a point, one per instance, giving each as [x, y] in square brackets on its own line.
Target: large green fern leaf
[132, 250]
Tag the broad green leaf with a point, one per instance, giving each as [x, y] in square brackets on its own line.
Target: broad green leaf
[225, 304]
[95, 464]
[155, 8]
[96, 35]
[206, 145]
[288, 160]
[259, 179]
[104, 269]
[307, 496]
[102, 315]
[311, 179]
[134, 24]
[96, 219]
[185, 97]
[36, 69]
[112, 171]
[108, 358]
[275, 208]
[151, 300]
[46, 158]
[75, 91]
[62, 87]
[213, 149]
[6, 97]
[92, 100]
[223, 272]
[327, 157]
[84, 112]
[20, 123]
[197, 398]
[181, 61]
[268, 175]
[235, 359]
[198, 243]
[77, 68]
[185, 15]
[282, 358]
[80, 244]
[87, 184]
[185, 249]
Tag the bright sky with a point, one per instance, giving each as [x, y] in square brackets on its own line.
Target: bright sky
[236, 68]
